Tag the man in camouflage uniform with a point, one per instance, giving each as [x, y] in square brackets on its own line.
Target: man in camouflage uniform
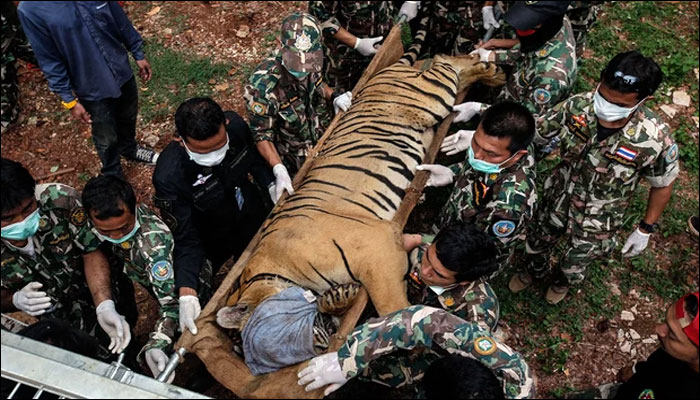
[144, 243]
[46, 241]
[608, 140]
[434, 330]
[449, 271]
[495, 187]
[544, 60]
[351, 29]
[14, 46]
[286, 99]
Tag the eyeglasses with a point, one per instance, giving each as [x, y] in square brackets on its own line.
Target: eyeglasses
[628, 79]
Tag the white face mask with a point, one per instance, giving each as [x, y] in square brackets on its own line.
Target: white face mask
[208, 159]
[610, 112]
[438, 289]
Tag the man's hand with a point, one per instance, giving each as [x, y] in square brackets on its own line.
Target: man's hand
[156, 360]
[79, 113]
[342, 102]
[282, 181]
[409, 9]
[114, 325]
[439, 174]
[322, 370]
[30, 300]
[144, 70]
[366, 46]
[636, 243]
[489, 18]
[457, 143]
[484, 55]
[189, 311]
[466, 111]
[625, 374]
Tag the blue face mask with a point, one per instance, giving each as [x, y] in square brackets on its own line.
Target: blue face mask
[22, 229]
[298, 74]
[123, 238]
[485, 166]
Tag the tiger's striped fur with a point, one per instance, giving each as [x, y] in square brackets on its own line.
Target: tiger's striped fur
[337, 228]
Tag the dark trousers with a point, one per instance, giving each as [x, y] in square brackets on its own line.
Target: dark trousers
[114, 127]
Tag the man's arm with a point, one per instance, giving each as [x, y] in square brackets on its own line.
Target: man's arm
[658, 198]
[97, 275]
[47, 55]
[6, 301]
[130, 37]
[268, 152]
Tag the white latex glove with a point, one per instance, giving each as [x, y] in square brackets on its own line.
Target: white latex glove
[189, 311]
[342, 102]
[114, 325]
[636, 243]
[440, 175]
[409, 9]
[323, 370]
[456, 143]
[466, 111]
[484, 54]
[30, 300]
[489, 18]
[282, 181]
[272, 190]
[366, 46]
[156, 360]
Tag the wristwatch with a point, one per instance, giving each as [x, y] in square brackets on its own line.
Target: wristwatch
[651, 228]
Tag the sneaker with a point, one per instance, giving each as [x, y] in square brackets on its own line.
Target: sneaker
[146, 155]
[693, 223]
[555, 294]
[519, 281]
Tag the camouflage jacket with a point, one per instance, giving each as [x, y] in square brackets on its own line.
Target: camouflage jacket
[500, 204]
[148, 260]
[361, 18]
[543, 77]
[64, 235]
[475, 302]
[439, 332]
[593, 184]
[283, 110]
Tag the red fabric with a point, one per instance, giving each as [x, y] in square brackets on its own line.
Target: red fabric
[689, 327]
[527, 32]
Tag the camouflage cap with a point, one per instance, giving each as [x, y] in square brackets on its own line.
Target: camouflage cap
[301, 43]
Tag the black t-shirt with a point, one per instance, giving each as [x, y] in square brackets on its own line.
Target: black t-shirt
[661, 377]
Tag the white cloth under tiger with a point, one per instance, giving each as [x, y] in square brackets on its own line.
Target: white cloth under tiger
[280, 332]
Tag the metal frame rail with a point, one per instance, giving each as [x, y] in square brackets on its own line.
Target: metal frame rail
[69, 375]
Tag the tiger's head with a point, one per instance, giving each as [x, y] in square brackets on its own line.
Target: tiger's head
[470, 69]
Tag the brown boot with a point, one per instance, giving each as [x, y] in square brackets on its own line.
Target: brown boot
[555, 294]
[519, 281]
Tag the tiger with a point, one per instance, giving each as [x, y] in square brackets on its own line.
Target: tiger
[337, 227]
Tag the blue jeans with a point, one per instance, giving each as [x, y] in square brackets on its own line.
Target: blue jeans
[114, 127]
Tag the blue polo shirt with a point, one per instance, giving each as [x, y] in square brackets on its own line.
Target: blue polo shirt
[81, 46]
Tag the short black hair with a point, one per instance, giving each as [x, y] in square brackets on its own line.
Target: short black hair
[17, 185]
[510, 120]
[459, 377]
[631, 72]
[199, 118]
[466, 250]
[105, 193]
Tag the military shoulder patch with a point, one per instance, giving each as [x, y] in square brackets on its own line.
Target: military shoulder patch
[542, 96]
[258, 108]
[503, 228]
[78, 217]
[44, 223]
[162, 270]
[646, 394]
[484, 346]
[672, 154]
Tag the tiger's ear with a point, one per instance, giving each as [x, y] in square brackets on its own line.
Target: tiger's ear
[232, 317]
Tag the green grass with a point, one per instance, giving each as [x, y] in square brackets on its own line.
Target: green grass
[177, 76]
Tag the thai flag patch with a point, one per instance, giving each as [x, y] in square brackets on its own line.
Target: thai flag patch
[626, 153]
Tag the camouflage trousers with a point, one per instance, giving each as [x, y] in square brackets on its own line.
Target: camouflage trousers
[344, 67]
[582, 17]
[550, 235]
[400, 368]
[10, 95]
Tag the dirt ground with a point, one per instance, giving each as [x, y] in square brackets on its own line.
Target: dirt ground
[55, 148]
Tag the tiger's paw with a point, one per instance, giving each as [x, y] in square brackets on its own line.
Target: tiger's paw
[338, 299]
